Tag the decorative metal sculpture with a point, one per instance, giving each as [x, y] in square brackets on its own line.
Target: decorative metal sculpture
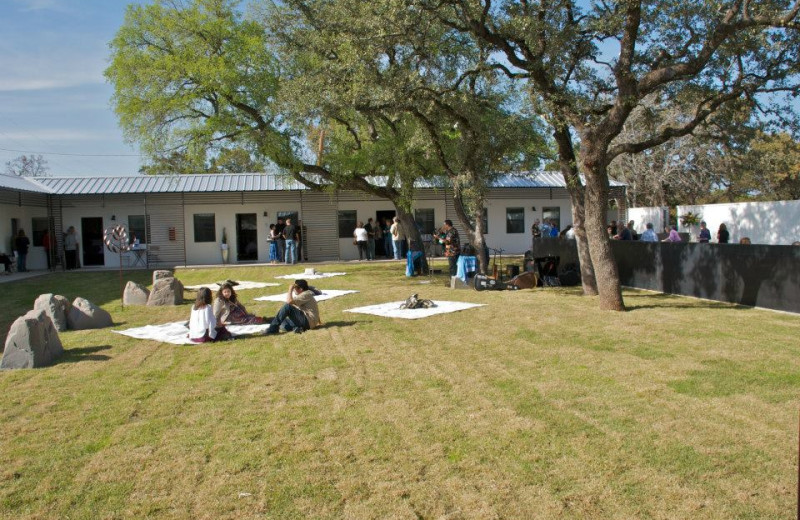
[116, 240]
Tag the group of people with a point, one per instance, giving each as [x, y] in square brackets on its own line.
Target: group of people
[627, 232]
[383, 237]
[549, 228]
[207, 322]
[283, 239]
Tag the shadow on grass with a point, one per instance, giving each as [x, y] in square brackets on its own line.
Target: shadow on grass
[672, 301]
[75, 355]
[332, 324]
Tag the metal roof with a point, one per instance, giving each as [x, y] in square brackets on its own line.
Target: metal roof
[237, 182]
[13, 182]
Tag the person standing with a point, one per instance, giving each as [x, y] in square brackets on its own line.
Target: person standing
[21, 244]
[722, 234]
[704, 237]
[378, 239]
[673, 235]
[273, 244]
[388, 247]
[299, 313]
[360, 237]
[47, 244]
[290, 236]
[452, 246]
[71, 248]
[396, 241]
[281, 242]
[370, 239]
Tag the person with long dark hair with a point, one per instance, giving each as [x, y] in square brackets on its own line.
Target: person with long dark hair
[723, 236]
[228, 310]
[202, 322]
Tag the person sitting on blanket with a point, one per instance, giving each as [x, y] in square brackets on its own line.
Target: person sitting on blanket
[202, 323]
[299, 313]
[229, 311]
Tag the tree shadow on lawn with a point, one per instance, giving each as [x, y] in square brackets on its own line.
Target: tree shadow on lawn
[671, 301]
[75, 355]
[332, 324]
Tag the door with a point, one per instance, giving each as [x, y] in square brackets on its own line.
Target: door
[246, 237]
[92, 241]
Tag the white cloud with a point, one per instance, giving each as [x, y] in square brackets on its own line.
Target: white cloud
[40, 5]
[49, 135]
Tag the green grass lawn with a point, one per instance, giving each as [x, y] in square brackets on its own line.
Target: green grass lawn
[537, 405]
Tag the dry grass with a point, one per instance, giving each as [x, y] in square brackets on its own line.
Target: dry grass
[535, 406]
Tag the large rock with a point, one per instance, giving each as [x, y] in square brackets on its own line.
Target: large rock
[56, 306]
[162, 274]
[32, 342]
[166, 291]
[135, 294]
[85, 315]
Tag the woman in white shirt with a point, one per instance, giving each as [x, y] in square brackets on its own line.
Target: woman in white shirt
[202, 323]
[361, 239]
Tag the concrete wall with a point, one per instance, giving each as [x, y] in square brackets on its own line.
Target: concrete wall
[772, 223]
[36, 258]
[654, 215]
[755, 275]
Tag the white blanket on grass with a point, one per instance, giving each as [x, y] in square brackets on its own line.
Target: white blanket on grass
[303, 276]
[241, 286]
[327, 294]
[177, 332]
[393, 310]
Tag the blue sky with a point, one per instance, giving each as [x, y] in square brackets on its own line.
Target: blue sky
[53, 96]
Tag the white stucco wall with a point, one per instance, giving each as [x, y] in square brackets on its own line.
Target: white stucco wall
[641, 216]
[772, 223]
[201, 253]
[36, 258]
[518, 243]
[72, 217]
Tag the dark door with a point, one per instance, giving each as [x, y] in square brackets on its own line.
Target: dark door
[92, 241]
[246, 237]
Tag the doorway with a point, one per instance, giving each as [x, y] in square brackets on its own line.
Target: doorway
[246, 237]
[384, 247]
[92, 241]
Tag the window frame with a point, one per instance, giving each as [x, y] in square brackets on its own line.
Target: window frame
[141, 232]
[203, 228]
[37, 233]
[430, 220]
[513, 222]
[350, 224]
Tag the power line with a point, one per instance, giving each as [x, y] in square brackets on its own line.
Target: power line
[73, 154]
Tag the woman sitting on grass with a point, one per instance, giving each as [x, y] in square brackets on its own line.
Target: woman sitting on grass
[202, 323]
[229, 311]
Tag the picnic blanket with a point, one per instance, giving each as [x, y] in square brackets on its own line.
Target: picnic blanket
[327, 294]
[304, 276]
[177, 332]
[393, 310]
[240, 286]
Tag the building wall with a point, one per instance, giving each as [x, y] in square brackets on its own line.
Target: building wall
[772, 223]
[36, 257]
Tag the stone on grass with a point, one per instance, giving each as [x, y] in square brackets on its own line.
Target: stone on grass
[56, 306]
[135, 294]
[161, 274]
[85, 315]
[166, 291]
[32, 342]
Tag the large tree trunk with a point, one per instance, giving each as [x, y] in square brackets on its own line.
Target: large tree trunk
[475, 233]
[569, 169]
[413, 237]
[608, 285]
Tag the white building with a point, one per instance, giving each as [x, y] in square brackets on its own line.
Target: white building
[180, 218]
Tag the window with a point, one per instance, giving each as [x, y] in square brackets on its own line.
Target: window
[552, 214]
[38, 229]
[515, 220]
[425, 220]
[136, 226]
[205, 229]
[347, 223]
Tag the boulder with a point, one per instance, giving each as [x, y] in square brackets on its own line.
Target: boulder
[161, 274]
[85, 315]
[166, 291]
[56, 306]
[135, 294]
[32, 342]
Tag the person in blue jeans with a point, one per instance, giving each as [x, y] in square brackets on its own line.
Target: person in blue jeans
[299, 313]
[397, 240]
[22, 244]
[290, 234]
